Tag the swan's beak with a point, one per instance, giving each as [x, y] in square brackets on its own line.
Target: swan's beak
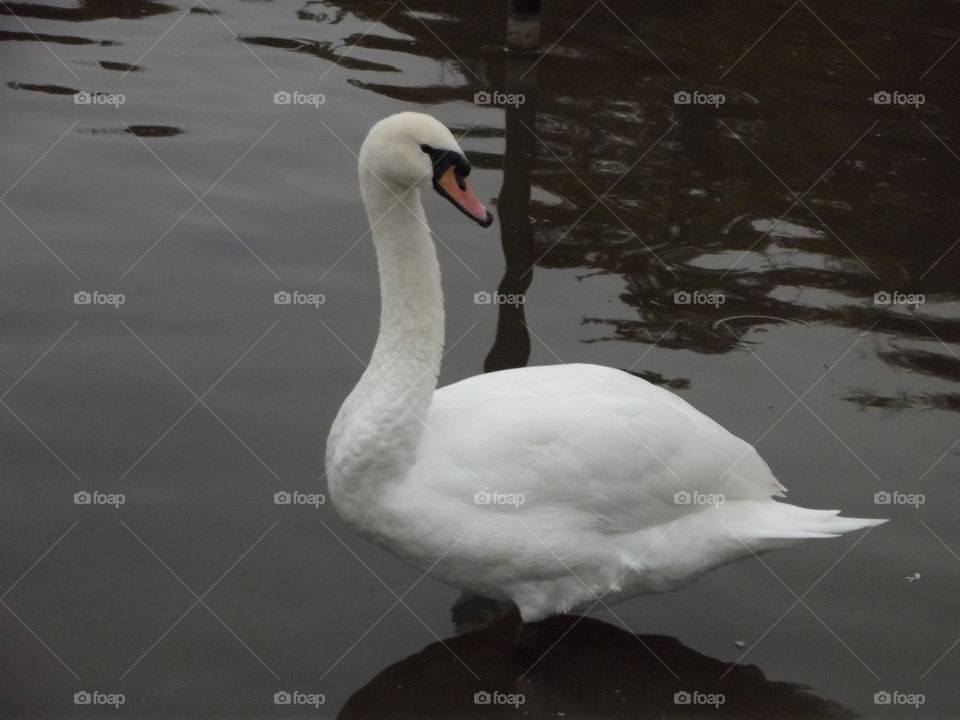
[454, 187]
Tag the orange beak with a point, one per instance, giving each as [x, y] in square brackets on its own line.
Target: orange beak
[454, 187]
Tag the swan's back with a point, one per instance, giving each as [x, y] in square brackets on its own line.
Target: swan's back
[605, 448]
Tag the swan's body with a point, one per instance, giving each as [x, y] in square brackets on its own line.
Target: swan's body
[588, 464]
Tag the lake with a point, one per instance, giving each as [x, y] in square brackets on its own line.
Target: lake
[753, 204]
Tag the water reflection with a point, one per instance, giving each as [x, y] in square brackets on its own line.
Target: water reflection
[51, 89]
[89, 10]
[593, 670]
[754, 201]
[15, 36]
[511, 347]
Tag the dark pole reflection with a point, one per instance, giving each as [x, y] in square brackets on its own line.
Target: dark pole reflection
[511, 348]
[523, 24]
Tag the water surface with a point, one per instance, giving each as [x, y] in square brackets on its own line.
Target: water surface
[198, 198]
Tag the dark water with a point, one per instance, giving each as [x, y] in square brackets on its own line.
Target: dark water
[796, 201]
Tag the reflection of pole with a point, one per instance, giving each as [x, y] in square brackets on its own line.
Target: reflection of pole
[512, 345]
[523, 24]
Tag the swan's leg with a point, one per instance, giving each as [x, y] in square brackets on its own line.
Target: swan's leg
[475, 612]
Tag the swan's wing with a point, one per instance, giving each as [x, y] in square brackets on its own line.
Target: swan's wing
[601, 447]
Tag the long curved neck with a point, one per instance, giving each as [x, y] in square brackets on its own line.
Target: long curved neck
[406, 359]
[380, 425]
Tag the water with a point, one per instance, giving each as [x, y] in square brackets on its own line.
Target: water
[198, 398]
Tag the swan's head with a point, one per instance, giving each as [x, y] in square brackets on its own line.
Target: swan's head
[410, 150]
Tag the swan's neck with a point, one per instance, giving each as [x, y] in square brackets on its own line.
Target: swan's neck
[379, 427]
[402, 374]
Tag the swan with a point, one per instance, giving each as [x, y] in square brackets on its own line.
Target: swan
[548, 487]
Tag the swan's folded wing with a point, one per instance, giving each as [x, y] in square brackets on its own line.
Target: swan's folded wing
[597, 445]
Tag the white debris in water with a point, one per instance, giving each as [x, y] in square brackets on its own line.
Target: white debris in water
[784, 229]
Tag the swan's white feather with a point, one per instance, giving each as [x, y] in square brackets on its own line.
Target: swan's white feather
[611, 448]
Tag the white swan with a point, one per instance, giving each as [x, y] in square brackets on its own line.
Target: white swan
[601, 460]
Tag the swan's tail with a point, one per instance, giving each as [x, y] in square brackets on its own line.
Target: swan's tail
[772, 524]
[716, 535]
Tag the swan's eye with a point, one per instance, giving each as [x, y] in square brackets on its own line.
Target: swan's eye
[443, 160]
